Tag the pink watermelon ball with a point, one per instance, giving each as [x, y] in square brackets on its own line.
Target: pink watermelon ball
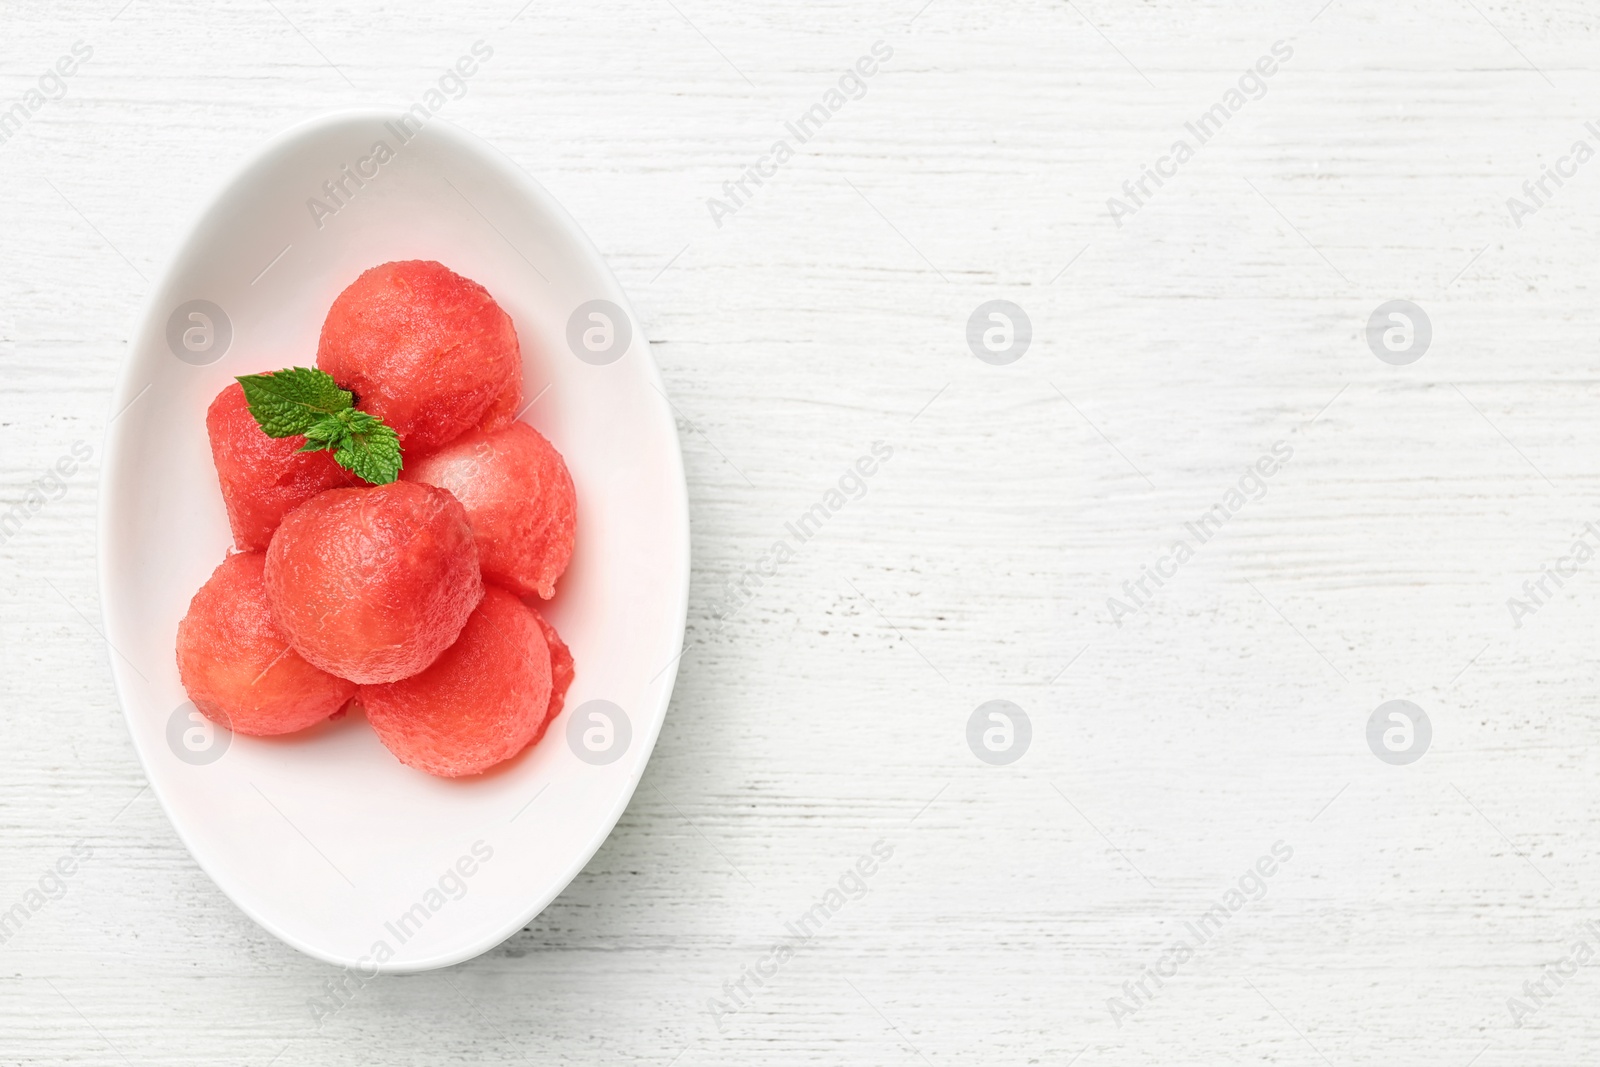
[238, 667]
[373, 583]
[422, 348]
[562, 670]
[505, 408]
[263, 478]
[519, 500]
[483, 701]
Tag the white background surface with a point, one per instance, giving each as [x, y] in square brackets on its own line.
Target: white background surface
[830, 712]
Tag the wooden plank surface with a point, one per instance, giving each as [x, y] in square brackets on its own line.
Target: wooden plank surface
[1171, 749]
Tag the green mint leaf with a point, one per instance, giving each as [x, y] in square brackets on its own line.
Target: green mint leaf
[371, 450]
[327, 431]
[307, 402]
[293, 401]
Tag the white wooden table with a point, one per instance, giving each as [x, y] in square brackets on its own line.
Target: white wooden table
[1172, 748]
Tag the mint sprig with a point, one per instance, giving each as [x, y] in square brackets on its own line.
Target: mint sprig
[308, 402]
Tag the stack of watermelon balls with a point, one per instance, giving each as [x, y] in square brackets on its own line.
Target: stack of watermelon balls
[389, 516]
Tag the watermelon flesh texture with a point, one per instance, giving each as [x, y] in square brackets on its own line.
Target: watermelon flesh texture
[562, 670]
[519, 500]
[263, 478]
[427, 351]
[373, 584]
[238, 667]
[480, 703]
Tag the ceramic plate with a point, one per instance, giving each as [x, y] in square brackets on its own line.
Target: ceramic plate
[324, 838]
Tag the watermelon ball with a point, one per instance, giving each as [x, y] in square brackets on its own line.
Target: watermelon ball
[422, 348]
[562, 670]
[373, 583]
[482, 702]
[238, 667]
[519, 500]
[263, 478]
[505, 407]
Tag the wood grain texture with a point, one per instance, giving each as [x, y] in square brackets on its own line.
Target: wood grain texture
[829, 712]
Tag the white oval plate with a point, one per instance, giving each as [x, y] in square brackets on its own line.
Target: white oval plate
[324, 838]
